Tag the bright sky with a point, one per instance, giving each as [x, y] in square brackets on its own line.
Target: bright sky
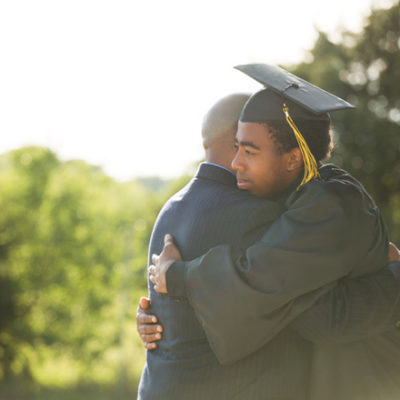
[124, 84]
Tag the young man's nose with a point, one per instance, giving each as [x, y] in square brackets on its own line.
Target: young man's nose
[237, 164]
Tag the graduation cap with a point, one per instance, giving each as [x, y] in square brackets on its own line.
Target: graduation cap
[289, 98]
[308, 96]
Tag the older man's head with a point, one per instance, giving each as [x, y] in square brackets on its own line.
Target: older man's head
[219, 128]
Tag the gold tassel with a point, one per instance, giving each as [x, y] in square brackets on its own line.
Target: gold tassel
[310, 165]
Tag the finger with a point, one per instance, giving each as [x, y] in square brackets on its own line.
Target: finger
[151, 337]
[149, 329]
[146, 329]
[144, 303]
[152, 279]
[152, 270]
[150, 346]
[143, 318]
[154, 258]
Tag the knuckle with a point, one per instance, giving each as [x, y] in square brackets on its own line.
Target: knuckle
[149, 329]
[147, 339]
[144, 321]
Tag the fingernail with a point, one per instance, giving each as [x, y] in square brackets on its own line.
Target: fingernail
[159, 329]
[158, 336]
[153, 319]
[167, 236]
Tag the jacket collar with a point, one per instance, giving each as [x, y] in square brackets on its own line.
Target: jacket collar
[216, 173]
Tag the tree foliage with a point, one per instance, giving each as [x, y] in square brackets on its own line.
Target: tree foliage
[364, 69]
[72, 241]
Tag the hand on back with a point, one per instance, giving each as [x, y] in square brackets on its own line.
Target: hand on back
[161, 264]
[146, 324]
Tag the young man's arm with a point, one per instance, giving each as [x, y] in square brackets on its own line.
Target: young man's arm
[329, 232]
[353, 310]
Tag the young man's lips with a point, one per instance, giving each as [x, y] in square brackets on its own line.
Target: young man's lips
[243, 184]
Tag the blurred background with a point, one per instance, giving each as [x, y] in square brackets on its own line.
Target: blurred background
[101, 105]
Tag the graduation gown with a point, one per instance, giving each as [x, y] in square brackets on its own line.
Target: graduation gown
[243, 298]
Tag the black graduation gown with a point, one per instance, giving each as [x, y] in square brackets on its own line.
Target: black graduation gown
[331, 230]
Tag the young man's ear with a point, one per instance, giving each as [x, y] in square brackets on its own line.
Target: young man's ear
[295, 159]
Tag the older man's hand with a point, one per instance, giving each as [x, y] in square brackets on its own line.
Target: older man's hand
[161, 264]
[146, 325]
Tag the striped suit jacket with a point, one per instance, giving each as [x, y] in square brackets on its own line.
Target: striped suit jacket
[209, 211]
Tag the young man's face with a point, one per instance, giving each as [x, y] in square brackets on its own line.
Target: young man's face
[258, 165]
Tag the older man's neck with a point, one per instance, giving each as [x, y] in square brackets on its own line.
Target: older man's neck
[219, 158]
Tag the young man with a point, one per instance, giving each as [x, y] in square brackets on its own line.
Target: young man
[312, 244]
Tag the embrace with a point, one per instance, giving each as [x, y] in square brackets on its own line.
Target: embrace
[271, 274]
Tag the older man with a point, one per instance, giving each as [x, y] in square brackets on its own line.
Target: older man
[208, 211]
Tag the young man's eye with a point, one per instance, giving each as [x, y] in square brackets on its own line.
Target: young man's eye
[250, 153]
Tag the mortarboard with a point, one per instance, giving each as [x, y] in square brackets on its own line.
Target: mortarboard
[308, 96]
[287, 96]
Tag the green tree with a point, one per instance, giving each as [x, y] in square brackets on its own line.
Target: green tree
[364, 68]
[23, 179]
[73, 253]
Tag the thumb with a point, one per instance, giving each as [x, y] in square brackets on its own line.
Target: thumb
[168, 239]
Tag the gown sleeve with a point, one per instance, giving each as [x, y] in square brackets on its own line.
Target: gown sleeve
[356, 309]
